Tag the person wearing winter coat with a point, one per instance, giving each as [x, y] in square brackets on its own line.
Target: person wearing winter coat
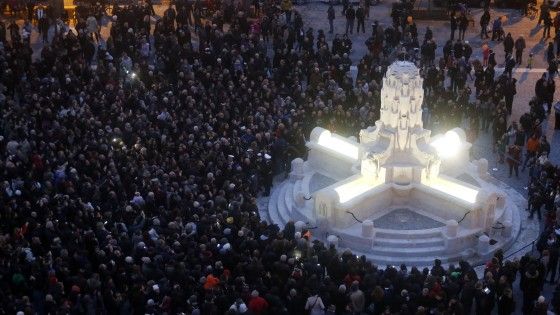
[530, 287]
[331, 16]
[506, 303]
[314, 305]
[92, 27]
[508, 44]
[519, 47]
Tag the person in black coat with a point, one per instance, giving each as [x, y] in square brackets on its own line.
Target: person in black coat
[360, 16]
[506, 303]
[510, 91]
[508, 44]
[553, 251]
[454, 24]
[350, 16]
[467, 294]
[530, 287]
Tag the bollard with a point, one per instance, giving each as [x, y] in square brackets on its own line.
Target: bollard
[508, 229]
[482, 168]
[483, 244]
[367, 228]
[332, 239]
[452, 228]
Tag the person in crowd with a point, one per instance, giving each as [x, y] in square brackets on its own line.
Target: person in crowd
[350, 14]
[547, 23]
[314, 305]
[513, 159]
[360, 16]
[454, 23]
[331, 17]
[497, 30]
[287, 7]
[519, 47]
[463, 25]
[484, 22]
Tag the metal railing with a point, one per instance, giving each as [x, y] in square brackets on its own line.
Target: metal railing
[532, 244]
[354, 216]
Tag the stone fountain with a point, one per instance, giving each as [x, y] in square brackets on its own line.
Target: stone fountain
[398, 195]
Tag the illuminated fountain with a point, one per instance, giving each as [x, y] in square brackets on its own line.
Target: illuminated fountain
[398, 195]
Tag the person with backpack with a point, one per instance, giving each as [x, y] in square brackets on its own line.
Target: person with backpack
[330, 17]
[314, 305]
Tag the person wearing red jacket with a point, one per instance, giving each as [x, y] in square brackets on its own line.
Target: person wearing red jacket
[257, 305]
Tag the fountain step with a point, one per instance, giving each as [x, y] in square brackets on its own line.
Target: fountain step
[282, 206]
[273, 208]
[289, 201]
[433, 251]
[408, 243]
[382, 260]
[407, 234]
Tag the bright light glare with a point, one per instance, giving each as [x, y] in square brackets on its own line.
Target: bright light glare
[339, 145]
[355, 188]
[452, 188]
[448, 145]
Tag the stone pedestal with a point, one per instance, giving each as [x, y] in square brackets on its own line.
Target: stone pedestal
[299, 225]
[367, 228]
[296, 172]
[300, 199]
[452, 228]
[483, 245]
[332, 239]
[482, 168]
[508, 229]
[500, 201]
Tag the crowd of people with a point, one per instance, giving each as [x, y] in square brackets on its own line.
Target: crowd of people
[131, 165]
